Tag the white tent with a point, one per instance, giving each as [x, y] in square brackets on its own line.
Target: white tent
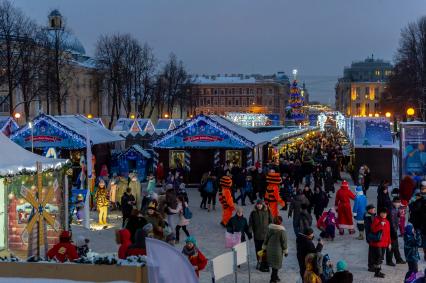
[15, 159]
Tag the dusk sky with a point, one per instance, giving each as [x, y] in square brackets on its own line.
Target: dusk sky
[318, 37]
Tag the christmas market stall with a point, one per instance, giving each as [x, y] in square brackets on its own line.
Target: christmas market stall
[66, 137]
[374, 147]
[32, 209]
[203, 142]
[133, 159]
[8, 125]
[136, 131]
[164, 125]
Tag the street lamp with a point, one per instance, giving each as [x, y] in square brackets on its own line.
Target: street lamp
[166, 115]
[30, 125]
[132, 116]
[376, 115]
[388, 114]
[90, 116]
[410, 111]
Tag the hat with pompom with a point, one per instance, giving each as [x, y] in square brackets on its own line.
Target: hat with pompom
[341, 266]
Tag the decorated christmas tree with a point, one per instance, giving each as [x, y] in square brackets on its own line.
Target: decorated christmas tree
[296, 102]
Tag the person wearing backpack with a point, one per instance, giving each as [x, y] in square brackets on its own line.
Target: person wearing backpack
[184, 217]
[210, 192]
[368, 220]
[381, 241]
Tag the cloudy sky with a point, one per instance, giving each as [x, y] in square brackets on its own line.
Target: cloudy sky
[318, 37]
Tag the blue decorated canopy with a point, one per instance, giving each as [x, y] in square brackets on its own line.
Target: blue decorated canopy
[207, 132]
[68, 131]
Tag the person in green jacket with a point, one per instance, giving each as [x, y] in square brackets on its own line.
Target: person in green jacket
[275, 246]
[259, 220]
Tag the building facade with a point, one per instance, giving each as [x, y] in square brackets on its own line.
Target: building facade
[359, 91]
[81, 87]
[240, 93]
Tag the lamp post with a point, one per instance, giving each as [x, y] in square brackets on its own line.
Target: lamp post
[30, 125]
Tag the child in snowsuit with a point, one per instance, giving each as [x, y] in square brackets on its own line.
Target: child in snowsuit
[327, 224]
[79, 207]
[358, 210]
[195, 257]
[412, 242]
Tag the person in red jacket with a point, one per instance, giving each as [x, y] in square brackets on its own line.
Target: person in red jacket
[123, 238]
[195, 257]
[380, 231]
[64, 250]
[225, 198]
[343, 208]
[272, 196]
[160, 173]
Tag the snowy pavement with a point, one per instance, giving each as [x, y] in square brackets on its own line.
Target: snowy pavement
[210, 236]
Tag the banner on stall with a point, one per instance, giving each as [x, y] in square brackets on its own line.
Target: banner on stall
[372, 132]
[413, 148]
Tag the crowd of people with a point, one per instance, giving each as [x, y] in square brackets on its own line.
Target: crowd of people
[301, 181]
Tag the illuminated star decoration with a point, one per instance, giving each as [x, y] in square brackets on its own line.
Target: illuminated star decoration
[40, 213]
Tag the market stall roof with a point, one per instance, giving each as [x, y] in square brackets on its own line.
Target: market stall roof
[68, 131]
[137, 148]
[8, 125]
[127, 125]
[207, 132]
[146, 125]
[165, 125]
[15, 159]
[99, 121]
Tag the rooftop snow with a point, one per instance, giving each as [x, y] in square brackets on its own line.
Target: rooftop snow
[223, 80]
[81, 124]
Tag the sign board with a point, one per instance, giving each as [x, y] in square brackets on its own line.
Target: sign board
[241, 250]
[223, 265]
[413, 148]
[372, 132]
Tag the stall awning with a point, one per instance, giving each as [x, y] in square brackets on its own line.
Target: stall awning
[15, 159]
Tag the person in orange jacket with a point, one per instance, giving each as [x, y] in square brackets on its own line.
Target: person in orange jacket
[225, 198]
[272, 196]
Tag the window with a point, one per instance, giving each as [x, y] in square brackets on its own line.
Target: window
[236, 102]
[226, 91]
[270, 102]
[230, 102]
[241, 91]
[376, 92]
[367, 90]
[251, 91]
[376, 107]
[222, 91]
[208, 101]
[259, 91]
[215, 91]
[5, 106]
[77, 103]
[84, 105]
[247, 91]
[270, 91]
[367, 108]
[377, 72]
[233, 90]
[358, 92]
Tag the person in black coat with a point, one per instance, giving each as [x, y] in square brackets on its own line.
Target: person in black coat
[320, 201]
[383, 198]
[127, 202]
[260, 183]
[238, 223]
[136, 222]
[309, 195]
[305, 246]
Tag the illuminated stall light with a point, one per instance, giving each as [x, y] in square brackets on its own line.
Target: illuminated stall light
[248, 119]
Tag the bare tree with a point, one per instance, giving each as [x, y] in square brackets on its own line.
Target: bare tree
[30, 68]
[14, 26]
[176, 79]
[407, 85]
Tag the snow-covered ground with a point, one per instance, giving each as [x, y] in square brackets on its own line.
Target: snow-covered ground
[210, 236]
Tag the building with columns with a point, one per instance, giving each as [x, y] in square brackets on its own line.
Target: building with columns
[81, 87]
[359, 91]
